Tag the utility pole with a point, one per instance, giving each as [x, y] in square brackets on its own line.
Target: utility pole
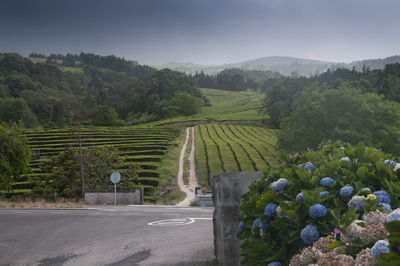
[81, 160]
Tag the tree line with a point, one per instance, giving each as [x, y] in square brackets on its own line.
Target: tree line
[236, 79]
[41, 94]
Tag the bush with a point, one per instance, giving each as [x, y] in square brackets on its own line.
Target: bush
[303, 213]
[104, 115]
[64, 179]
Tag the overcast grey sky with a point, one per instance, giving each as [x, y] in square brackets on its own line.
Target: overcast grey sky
[203, 31]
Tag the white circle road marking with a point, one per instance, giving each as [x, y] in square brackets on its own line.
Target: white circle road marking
[176, 221]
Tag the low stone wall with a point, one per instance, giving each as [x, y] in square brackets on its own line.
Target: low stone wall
[227, 189]
[124, 198]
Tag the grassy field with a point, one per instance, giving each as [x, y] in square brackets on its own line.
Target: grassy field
[232, 148]
[235, 106]
[37, 60]
[145, 145]
[71, 69]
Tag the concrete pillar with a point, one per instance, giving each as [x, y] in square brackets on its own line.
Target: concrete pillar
[227, 189]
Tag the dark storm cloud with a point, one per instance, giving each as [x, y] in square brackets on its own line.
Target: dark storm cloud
[206, 31]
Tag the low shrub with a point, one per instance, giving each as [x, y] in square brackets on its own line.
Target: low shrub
[310, 196]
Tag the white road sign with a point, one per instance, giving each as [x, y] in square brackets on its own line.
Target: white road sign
[115, 177]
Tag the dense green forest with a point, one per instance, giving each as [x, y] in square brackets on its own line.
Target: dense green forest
[341, 105]
[108, 91]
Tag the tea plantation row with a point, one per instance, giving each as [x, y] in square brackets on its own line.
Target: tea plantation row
[145, 145]
[231, 148]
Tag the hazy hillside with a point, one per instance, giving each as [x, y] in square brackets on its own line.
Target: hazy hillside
[284, 65]
[374, 63]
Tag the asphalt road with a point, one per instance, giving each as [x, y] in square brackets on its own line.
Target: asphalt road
[135, 235]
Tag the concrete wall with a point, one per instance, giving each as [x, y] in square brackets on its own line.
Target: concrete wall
[205, 200]
[125, 198]
[227, 189]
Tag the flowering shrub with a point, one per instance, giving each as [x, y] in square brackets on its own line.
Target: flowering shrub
[312, 194]
[392, 224]
[371, 233]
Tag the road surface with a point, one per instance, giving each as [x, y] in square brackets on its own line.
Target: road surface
[132, 235]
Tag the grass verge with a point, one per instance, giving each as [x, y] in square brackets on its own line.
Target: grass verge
[41, 203]
[168, 191]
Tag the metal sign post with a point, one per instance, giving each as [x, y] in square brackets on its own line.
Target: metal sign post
[115, 178]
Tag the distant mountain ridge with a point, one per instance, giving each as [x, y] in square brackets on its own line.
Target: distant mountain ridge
[285, 65]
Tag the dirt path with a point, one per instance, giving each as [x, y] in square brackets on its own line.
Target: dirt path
[190, 188]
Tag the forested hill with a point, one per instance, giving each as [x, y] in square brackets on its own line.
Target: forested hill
[374, 63]
[288, 66]
[111, 62]
[42, 94]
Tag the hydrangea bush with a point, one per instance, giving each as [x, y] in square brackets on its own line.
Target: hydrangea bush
[313, 194]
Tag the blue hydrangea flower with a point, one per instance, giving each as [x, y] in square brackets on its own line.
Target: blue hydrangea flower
[366, 190]
[270, 209]
[383, 196]
[324, 193]
[380, 247]
[317, 210]
[386, 206]
[345, 159]
[300, 165]
[346, 191]
[341, 148]
[391, 163]
[309, 234]
[274, 263]
[309, 166]
[326, 181]
[241, 226]
[357, 202]
[264, 225]
[279, 185]
[256, 223]
[394, 216]
[300, 197]
[271, 185]
[376, 149]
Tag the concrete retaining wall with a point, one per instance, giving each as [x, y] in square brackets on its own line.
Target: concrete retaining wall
[125, 198]
[227, 189]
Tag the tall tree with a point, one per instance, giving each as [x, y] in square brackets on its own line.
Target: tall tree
[14, 153]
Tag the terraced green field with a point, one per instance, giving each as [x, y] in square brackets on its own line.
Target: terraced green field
[235, 106]
[145, 145]
[231, 148]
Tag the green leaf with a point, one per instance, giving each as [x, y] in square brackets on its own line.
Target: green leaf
[336, 244]
[362, 172]
[393, 227]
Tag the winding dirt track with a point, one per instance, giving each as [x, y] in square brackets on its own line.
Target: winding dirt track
[190, 188]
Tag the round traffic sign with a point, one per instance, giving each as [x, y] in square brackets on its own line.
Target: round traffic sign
[115, 177]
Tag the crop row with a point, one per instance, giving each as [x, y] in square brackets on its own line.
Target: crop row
[232, 148]
[145, 145]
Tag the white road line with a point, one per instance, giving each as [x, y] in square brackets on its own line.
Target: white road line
[22, 212]
[176, 221]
